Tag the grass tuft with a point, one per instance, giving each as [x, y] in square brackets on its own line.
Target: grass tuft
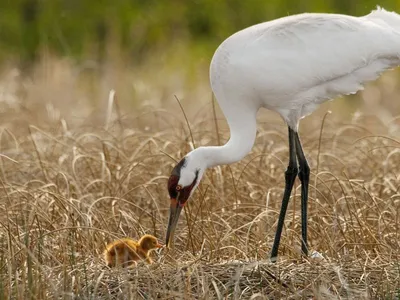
[71, 181]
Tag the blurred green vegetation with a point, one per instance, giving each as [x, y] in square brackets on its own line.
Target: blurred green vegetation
[86, 28]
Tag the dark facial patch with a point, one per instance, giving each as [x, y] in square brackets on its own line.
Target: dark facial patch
[172, 183]
[182, 195]
[174, 178]
[185, 192]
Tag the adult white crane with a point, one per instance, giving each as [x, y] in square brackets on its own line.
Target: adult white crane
[290, 66]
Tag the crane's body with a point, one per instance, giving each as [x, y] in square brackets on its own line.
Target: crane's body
[290, 66]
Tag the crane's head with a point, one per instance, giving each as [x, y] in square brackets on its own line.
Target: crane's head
[184, 179]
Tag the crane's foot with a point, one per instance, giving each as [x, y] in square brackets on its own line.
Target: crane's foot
[316, 256]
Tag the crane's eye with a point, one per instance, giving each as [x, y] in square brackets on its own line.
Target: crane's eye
[172, 183]
[178, 187]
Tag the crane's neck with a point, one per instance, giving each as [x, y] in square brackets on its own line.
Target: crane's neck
[243, 131]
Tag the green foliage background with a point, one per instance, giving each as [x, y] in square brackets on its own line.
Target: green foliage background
[84, 28]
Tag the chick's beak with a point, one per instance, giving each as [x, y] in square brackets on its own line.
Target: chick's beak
[174, 212]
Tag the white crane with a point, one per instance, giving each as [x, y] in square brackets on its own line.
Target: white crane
[289, 65]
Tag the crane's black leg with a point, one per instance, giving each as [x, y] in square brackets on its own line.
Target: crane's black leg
[304, 176]
[290, 176]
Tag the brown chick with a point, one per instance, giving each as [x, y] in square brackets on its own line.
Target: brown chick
[126, 252]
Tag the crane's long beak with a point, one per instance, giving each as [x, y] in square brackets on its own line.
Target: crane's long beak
[174, 212]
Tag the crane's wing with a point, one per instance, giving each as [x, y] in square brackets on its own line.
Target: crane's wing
[313, 57]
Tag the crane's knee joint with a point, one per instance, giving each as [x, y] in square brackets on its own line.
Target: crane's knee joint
[291, 172]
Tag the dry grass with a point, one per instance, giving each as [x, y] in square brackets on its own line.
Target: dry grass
[72, 180]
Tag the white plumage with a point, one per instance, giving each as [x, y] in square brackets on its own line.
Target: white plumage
[290, 66]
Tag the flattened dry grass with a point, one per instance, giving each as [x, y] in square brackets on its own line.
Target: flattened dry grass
[260, 279]
[69, 185]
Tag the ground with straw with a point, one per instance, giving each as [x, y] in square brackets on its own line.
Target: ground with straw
[73, 179]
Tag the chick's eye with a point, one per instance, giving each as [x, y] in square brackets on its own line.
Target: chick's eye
[178, 187]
